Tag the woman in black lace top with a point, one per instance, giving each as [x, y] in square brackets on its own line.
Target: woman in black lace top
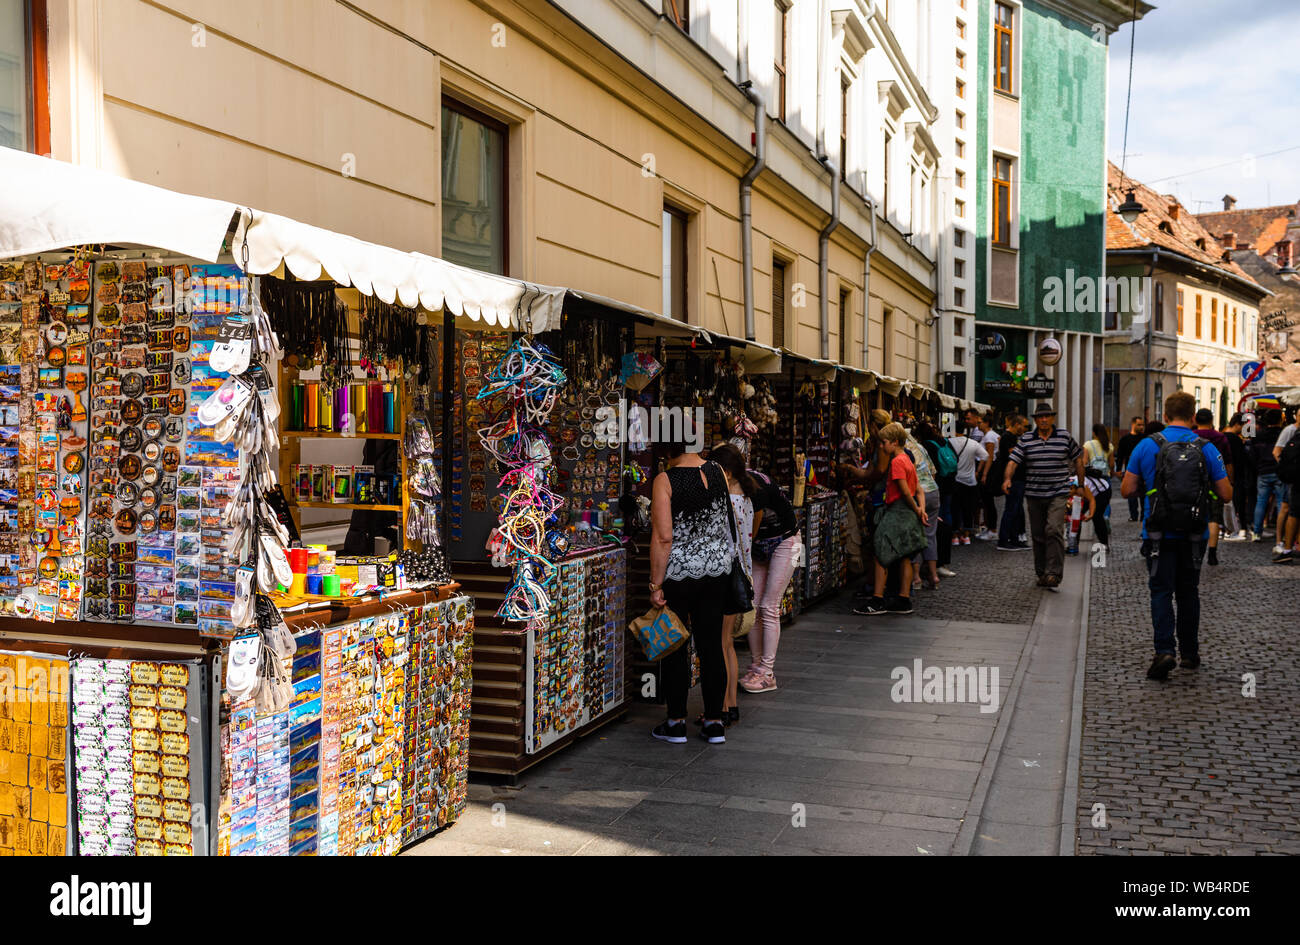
[690, 560]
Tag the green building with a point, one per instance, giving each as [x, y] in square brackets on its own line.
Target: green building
[1039, 240]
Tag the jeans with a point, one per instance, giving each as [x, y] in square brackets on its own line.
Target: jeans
[988, 496]
[1175, 577]
[771, 578]
[932, 504]
[1012, 525]
[1100, 525]
[943, 534]
[1267, 485]
[1134, 508]
[698, 601]
[1047, 532]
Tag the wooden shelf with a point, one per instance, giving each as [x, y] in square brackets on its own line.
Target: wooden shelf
[345, 505]
[331, 435]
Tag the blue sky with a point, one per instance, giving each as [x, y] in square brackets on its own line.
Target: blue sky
[1214, 82]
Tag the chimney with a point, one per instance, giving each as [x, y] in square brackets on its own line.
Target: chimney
[1229, 240]
[1229, 202]
[1284, 254]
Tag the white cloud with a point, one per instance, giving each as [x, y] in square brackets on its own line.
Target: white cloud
[1213, 84]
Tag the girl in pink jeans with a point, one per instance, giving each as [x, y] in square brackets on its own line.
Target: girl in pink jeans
[774, 551]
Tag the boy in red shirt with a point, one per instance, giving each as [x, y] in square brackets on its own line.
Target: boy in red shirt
[900, 486]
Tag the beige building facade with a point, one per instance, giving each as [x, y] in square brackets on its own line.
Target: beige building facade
[593, 144]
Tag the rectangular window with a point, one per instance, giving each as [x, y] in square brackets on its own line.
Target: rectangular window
[781, 47]
[1214, 320]
[846, 298]
[961, 148]
[959, 269]
[1110, 399]
[1159, 314]
[961, 30]
[1198, 398]
[960, 208]
[675, 274]
[1159, 404]
[1234, 326]
[961, 89]
[1198, 314]
[1003, 45]
[959, 238]
[961, 119]
[1178, 298]
[679, 11]
[959, 357]
[961, 59]
[778, 303]
[1001, 202]
[844, 127]
[474, 189]
[889, 141]
[24, 76]
[959, 298]
[960, 178]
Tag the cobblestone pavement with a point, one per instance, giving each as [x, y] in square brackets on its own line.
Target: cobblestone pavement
[990, 586]
[828, 764]
[1192, 765]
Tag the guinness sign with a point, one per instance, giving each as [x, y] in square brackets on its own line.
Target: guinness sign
[990, 344]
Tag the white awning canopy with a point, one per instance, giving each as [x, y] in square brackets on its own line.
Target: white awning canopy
[48, 205]
[410, 279]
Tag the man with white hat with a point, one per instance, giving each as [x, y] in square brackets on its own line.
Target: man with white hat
[1053, 464]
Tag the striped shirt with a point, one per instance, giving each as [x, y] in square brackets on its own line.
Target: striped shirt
[1048, 463]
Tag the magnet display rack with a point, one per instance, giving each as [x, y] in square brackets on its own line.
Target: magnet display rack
[291, 450]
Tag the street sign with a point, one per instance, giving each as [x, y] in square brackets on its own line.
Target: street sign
[1252, 377]
[1040, 385]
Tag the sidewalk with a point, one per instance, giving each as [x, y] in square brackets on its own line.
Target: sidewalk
[1193, 765]
[828, 764]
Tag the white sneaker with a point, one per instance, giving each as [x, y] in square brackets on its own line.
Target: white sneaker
[1256, 536]
[1279, 548]
[1024, 539]
[1237, 536]
[947, 572]
[985, 535]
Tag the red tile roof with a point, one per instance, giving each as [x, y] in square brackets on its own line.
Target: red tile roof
[1167, 224]
[1260, 228]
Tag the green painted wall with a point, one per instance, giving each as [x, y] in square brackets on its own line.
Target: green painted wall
[1062, 165]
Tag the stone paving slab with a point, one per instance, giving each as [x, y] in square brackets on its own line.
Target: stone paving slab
[828, 764]
[1192, 765]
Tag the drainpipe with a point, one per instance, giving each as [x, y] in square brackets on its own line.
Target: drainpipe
[824, 255]
[1146, 372]
[746, 195]
[866, 287]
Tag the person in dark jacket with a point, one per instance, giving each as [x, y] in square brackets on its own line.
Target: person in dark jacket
[1267, 485]
[1123, 450]
[1243, 472]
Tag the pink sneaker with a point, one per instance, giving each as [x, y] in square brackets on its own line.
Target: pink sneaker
[965, 539]
[756, 684]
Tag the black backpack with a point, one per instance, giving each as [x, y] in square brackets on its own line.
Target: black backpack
[1288, 464]
[1181, 494]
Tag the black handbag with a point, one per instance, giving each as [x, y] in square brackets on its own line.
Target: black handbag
[739, 597]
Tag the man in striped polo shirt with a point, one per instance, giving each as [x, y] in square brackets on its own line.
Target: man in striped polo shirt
[1053, 464]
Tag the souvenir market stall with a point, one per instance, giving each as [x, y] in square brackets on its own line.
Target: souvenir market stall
[193, 674]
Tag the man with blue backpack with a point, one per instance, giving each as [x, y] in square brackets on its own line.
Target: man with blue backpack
[1179, 475]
